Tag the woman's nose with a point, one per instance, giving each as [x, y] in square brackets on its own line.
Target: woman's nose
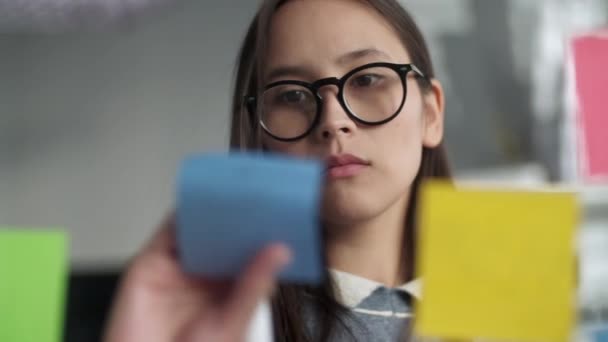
[334, 120]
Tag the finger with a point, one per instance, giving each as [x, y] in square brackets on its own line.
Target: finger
[256, 284]
[160, 250]
[164, 239]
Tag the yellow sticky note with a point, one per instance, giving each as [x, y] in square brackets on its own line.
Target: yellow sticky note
[496, 264]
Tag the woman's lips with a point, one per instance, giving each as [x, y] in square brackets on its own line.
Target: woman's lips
[345, 166]
[345, 171]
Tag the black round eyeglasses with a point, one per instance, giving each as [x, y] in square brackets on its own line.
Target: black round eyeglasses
[372, 94]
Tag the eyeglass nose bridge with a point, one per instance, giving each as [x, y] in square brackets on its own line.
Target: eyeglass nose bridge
[315, 87]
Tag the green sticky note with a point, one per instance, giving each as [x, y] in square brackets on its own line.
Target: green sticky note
[33, 272]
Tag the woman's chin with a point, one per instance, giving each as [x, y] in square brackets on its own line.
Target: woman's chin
[347, 213]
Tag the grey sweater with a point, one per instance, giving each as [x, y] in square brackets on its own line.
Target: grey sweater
[378, 313]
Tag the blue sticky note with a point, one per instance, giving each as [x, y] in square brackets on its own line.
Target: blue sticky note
[229, 206]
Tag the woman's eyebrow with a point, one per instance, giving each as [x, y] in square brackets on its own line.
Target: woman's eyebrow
[358, 54]
[287, 70]
[302, 72]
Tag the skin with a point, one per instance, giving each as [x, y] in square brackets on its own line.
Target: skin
[364, 214]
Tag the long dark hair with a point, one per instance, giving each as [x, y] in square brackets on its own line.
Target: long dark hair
[246, 135]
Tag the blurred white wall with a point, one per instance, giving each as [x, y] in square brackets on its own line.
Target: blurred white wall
[9, 76]
[94, 124]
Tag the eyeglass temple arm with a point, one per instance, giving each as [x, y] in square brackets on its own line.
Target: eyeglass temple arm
[416, 70]
[249, 102]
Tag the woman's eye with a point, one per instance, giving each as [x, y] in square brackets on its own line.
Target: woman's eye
[366, 80]
[294, 96]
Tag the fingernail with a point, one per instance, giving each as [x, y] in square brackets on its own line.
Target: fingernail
[283, 255]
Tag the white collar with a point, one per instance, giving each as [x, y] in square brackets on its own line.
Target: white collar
[352, 289]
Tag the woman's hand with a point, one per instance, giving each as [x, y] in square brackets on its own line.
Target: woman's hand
[157, 302]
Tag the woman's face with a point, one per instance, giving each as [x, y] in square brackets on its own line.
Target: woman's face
[314, 39]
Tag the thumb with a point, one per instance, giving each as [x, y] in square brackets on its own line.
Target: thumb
[256, 283]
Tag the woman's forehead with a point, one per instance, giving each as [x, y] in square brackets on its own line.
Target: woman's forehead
[331, 32]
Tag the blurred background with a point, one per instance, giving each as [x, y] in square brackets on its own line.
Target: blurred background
[101, 99]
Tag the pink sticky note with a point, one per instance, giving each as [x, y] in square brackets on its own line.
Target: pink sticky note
[591, 67]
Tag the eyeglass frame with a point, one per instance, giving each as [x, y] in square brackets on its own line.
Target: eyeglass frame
[401, 69]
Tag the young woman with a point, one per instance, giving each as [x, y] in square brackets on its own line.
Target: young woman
[350, 82]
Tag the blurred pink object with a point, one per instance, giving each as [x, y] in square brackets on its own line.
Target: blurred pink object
[590, 53]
